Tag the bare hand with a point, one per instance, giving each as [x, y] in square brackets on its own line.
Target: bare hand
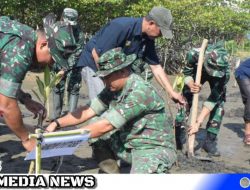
[29, 144]
[194, 88]
[194, 128]
[51, 127]
[36, 108]
[178, 98]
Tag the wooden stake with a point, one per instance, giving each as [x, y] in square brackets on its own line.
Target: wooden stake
[195, 102]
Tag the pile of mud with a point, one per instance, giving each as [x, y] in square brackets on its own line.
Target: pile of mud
[186, 165]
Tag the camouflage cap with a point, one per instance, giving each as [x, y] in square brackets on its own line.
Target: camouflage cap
[216, 59]
[163, 19]
[113, 60]
[61, 40]
[70, 16]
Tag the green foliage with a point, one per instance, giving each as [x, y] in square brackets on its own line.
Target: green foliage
[179, 82]
[50, 81]
[193, 19]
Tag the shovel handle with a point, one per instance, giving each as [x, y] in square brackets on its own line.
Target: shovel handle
[195, 101]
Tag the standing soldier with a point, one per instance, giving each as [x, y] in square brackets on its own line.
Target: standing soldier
[133, 120]
[20, 47]
[216, 72]
[73, 75]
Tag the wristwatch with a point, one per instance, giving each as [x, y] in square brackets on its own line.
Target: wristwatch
[58, 126]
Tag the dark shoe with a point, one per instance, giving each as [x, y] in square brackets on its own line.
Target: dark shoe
[4, 155]
[105, 157]
[109, 166]
[180, 137]
[210, 145]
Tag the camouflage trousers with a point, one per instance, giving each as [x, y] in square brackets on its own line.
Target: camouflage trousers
[73, 78]
[215, 118]
[145, 161]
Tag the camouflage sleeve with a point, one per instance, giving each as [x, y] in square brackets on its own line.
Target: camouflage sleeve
[79, 37]
[227, 75]
[101, 103]
[97, 106]
[217, 93]
[189, 70]
[136, 103]
[16, 58]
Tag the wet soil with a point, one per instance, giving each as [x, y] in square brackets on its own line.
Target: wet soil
[235, 157]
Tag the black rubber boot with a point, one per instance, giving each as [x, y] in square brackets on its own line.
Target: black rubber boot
[210, 145]
[73, 100]
[57, 104]
[105, 158]
[180, 137]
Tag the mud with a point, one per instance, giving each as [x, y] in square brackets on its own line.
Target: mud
[235, 157]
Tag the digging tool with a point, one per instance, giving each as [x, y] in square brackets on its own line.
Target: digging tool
[191, 138]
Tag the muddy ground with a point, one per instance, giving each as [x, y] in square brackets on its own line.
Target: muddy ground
[235, 157]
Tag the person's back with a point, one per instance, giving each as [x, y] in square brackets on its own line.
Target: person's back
[20, 47]
[17, 40]
[124, 32]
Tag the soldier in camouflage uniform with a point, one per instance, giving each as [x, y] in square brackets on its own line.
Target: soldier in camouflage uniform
[20, 47]
[216, 72]
[135, 121]
[134, 36]
[73, 75]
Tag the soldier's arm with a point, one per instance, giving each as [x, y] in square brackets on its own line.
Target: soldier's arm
[12, 116]
[98, 128]
[217, 95]
[96, 107]
[80, 115]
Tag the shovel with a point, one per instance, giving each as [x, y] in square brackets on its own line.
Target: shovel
[191, 138]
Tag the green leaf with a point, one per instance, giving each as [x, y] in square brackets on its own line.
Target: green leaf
[46, 76]
[47, 92]
[40, 86]
[179, 82]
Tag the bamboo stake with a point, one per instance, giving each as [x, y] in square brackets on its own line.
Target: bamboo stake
[60, 133]
[195, 101]
[38, 151]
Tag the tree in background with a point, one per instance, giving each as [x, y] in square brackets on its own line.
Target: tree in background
[193, 19]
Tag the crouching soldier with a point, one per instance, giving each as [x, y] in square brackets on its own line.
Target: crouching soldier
[216, 72]
[133, 117]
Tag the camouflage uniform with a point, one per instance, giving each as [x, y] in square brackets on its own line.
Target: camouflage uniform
[73, 75]
[143, 135]
[216, 72]
[17, 45]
